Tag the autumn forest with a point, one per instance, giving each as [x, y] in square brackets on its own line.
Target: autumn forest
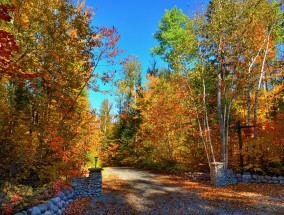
[225, 71]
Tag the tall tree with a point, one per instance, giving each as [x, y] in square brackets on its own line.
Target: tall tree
[129, 90]
[216, 44]
[105, 122]
[51, 53]
[176, 37]
[179, 47]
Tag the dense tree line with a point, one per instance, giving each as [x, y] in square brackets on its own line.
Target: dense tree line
[225, 65]
[49, 53]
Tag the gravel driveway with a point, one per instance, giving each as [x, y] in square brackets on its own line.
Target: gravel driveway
[132, 191]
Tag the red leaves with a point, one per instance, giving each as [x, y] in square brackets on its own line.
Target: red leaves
[57, 145]
[7, 44]
[114, 52]
[7, 47]
[248, 132]
[107, 77]
[9, 209]
[4, 12]
[106, 39]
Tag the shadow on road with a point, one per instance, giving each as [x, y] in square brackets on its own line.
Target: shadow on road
[129, 191]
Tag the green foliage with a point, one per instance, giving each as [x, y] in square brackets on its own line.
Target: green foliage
[225, 65]
[105, 118]
[177, 40]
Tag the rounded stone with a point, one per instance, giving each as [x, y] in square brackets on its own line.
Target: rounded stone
[267, 177]
[64, 204]
[61, 194]
[264, 180]
[55, 200]
[66, 192]
[74, 184]
[280, 178]
[246, 176]
[276, 182]
[50, 204]
[274, 178]
[70, 200]
[34, 211]
[70, 196]
[281, 182]
[270, 181]
[43, 207]
[48, 213]
[65, 198]
[59, 212]
[55, 209]
[59, 204]
[260, 177]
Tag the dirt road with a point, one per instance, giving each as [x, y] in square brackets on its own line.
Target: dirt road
[132, 191]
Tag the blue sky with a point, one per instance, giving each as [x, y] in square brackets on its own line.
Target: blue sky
[136, 22]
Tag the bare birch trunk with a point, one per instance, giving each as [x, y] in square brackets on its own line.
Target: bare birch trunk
[207, 123]
[205, 136]
[248, 98]
[220, 104]
[249, 84]
[221, 118]
[259, 84]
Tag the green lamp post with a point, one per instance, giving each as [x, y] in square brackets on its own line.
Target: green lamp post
[96, 160]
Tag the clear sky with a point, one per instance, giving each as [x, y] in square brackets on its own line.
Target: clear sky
[136, 22]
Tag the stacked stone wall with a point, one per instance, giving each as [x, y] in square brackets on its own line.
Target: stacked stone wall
[220, 177]
[81, 187]
[241, 177]
[253, 178]
[88, 186]
[197, 176]
[55, 206]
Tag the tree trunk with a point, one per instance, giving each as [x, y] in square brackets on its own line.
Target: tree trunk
[249, 84]
[221, 119]
[259, 84]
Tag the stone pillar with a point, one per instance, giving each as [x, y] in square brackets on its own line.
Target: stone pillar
[95, 182]
[219, 176]
[216, 172]
[79, 186]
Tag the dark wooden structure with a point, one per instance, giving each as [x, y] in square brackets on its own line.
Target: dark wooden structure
[239, 130]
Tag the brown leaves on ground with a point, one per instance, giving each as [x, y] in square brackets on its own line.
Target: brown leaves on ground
[116, 187]
[112, 183]
[240, 195]
[79, 206]
[250, 196]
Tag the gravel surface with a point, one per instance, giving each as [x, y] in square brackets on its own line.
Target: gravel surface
[132, 191]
